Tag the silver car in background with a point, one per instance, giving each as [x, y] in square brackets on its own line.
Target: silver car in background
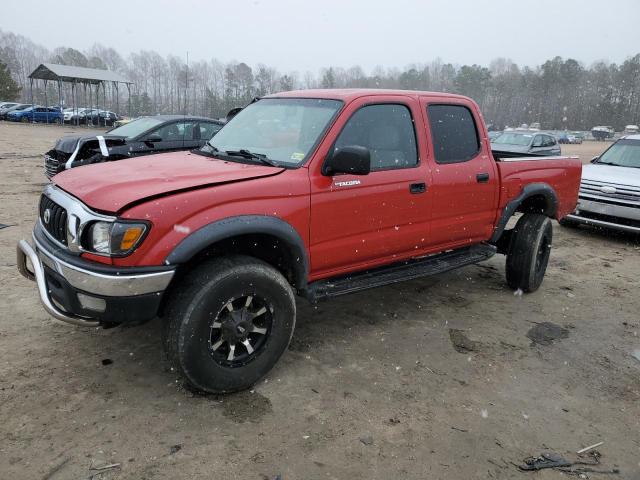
[610, 188]
[529, 142]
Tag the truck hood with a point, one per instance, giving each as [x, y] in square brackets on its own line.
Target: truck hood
[611, 174]
[111, 186]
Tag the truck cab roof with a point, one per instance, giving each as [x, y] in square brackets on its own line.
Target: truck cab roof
[348, 94]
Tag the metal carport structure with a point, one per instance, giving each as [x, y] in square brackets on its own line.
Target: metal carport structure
[80, 76]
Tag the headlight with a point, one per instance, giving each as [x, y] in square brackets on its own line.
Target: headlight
[115, 238]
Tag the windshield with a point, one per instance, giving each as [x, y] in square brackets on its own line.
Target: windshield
[135, 127]
[623, 153]
[513, 139]
[284, 129]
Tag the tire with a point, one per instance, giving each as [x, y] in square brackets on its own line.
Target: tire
[529, 252]
[200, 327]
[24, 120]
[56, 121]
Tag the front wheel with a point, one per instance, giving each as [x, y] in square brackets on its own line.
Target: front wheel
[529, 251]
[229, 323]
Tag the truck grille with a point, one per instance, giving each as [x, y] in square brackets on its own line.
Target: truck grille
[55, 221]
[52, 166]
[627, 195]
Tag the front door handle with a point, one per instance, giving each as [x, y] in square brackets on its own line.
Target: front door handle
[482, 177]
[418, 187]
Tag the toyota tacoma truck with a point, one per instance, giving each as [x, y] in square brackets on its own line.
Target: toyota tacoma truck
[313, 193]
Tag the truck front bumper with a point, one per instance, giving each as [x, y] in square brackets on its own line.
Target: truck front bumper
[82, 293]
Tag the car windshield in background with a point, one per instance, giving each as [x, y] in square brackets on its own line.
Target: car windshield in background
[282, 129]
[135, 127]
[623, 153]
[513, 139]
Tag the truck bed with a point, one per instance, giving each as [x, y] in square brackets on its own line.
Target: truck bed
[561, 173]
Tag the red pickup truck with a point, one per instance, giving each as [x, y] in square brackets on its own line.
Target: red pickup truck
[316, 193]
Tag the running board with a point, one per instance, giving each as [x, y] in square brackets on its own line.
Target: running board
[399, 272]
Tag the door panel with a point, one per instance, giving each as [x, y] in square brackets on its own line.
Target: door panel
[358, 221]
[465, 180]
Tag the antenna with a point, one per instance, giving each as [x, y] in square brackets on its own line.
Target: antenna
[186, 99]
[186, 85]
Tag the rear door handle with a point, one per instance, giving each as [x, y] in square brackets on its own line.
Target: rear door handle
[482, 177]
[418, 187]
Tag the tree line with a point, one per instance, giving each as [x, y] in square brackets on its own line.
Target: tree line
[559, 94]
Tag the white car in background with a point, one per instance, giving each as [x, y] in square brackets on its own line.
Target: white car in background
[610, 188]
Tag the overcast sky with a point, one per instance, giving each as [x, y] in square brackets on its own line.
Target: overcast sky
[308, 35]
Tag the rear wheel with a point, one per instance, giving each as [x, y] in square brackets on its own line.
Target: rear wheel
[229, 323]
[24, 120]
[529, 251]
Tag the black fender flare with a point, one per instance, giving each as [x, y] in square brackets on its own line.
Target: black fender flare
[230, 227]
[528, 191]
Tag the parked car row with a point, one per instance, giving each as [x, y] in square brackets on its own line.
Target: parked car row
[26, 112]
[36, 113]
[91, 116]
[569, 138]
[8, 107]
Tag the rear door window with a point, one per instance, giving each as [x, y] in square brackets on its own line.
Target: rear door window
[454, 133]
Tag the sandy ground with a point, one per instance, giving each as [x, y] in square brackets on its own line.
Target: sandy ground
[436, 378]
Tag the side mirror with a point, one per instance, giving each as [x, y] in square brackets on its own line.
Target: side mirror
[155, 138]
[352, 160]
[595, 159]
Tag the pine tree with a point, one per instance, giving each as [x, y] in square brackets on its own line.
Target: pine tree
[9, 89]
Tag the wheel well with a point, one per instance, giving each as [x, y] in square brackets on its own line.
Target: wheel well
[268, 248]
[536, 204]
[535, 198]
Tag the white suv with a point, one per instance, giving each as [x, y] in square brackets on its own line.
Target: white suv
[610, 188]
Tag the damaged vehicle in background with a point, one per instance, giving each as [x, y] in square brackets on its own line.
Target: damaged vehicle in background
[143, 136]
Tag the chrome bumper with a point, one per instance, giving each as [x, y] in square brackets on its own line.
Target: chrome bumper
[612, 212]
[602, 223]
[84, 280]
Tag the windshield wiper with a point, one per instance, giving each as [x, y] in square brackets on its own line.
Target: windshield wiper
[261, 157]
[212, 146]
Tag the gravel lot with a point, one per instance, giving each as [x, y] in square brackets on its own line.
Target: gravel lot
[437, 378]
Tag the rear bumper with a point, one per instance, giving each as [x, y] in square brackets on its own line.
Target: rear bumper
[79, 294]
